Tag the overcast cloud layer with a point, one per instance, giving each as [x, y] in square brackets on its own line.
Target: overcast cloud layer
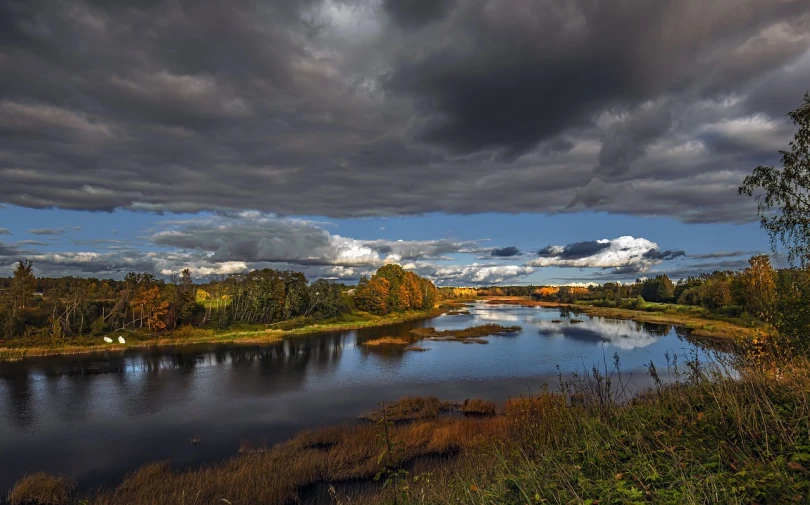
[346, 108]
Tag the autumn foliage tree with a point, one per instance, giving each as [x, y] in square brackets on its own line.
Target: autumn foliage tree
[150, 307]
[392, 289]
[372, 295]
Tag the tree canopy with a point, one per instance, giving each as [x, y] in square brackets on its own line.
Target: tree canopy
[783, 194]
[392, 289]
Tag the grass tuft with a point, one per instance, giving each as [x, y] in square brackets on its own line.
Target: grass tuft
[387, 341]
[42, 489]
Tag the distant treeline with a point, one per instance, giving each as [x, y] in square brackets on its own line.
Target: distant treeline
[469, 292]
[759, 291]
[777, 296]
[68, 307]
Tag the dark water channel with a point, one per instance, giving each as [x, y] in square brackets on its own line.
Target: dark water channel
[97, 417]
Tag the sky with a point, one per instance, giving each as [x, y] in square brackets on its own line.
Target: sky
[476, 142]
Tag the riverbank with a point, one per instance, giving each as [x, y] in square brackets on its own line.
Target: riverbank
[700, 327]
[698, 439]
[34, 347]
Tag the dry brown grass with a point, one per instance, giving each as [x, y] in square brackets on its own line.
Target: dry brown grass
[410, 408]
[387, 341]
[42, 489]
[533, 406]
[472, 335]
[477, 406]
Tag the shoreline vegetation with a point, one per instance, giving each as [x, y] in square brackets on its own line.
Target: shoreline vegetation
[696, 437]
[53, 316]
[194, 336]
[700, 327]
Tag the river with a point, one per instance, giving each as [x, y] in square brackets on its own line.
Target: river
[95, 417]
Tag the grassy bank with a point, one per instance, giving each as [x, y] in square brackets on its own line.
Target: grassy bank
[699, 438]
[692, 318]
[21, 348]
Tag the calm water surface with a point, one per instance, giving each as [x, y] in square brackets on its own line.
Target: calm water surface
[97, 417]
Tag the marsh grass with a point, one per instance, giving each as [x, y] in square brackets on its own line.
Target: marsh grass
[387, 341]
[42, 489]
[279, 474]
[472, 335]
[410, 408]
[478, 407]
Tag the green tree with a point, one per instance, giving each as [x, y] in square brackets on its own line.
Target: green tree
[325, 300]
[792, 314]
[23, 284]
[297, 293]
[759, 287]
[783, 194]
[658, 289]
[183, 301]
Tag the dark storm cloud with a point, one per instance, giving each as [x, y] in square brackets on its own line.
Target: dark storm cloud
[723, 254]
[346, 108]
[669, 254]
[505, 252]
[627, 270]
[576, 250]
[626, 141]
[7, 250]
[415, 13]
[539, 67]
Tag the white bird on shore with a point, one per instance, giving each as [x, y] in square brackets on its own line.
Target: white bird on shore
[108, 340]
[121, 340]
